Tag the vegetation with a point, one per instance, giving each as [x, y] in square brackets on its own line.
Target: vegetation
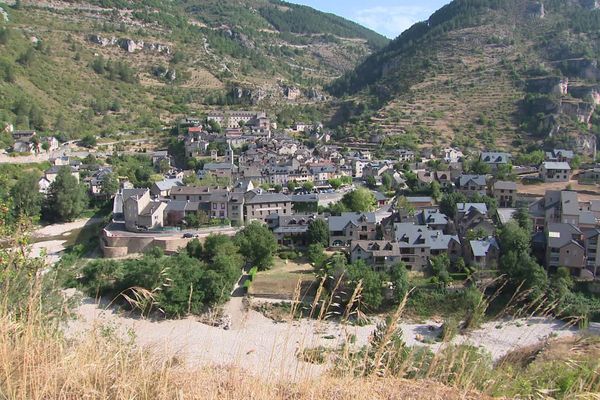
[67, 198]
[257, 244]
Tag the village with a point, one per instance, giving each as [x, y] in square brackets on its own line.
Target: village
[287, 178]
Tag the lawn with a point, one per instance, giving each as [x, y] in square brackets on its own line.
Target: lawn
[280, 281]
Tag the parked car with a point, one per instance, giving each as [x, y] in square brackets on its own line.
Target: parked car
[188, 235]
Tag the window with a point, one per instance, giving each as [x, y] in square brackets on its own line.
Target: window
[222, 206]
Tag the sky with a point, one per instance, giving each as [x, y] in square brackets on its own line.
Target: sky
[388, 17]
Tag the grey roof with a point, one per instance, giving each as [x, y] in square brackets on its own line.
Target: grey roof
[505, 185]
[176, 205]
[379, 196]
[505, 215]
[591, 233]
[551, 165]
[493, 157]
[464, 180]
[468, 207]
[554, 154]
[419, 199]
[559, 234]
[127, 193]
[481, 248]
[587, 218]
[55, 168]
[168, 184]
[255, 197]
[151, 208]
[216, 166]
[431, 216]
[160, 153]
[338, 223]
[569, 202]
[197, 190]
[409, 235]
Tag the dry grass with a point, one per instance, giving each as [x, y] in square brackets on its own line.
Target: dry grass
[37, 364]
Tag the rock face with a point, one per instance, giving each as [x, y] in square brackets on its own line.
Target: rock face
[587, 93]
[536, 10]
[582, 68]
[552, 84]
[129, 45]
[579, 110]
[102, 41]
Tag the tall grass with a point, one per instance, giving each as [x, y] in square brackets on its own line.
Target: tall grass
[37, 362]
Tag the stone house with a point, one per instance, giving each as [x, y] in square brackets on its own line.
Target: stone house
[351, 226]
[505, 193]
[553, 171]
[483, 253]
[470, 185]
[564, 248]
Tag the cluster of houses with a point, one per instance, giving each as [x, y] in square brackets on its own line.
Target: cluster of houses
[565, 230]
[256, 165]
[28, 141]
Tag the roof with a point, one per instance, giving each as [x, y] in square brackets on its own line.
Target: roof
[168, 184]
[505, 185]
[176, 205]
[560, 234]
[469, 207]
[431, 216]
[480, 248]
[160, 153]
[505, 215]
[136, 192]
[419, 199]
[379, 196]
[338, 223]
[554, 154]
[55, 168]
[409, 235]
[464, 180]
[255, 197]
[493, 157]
[197, 190]
[151, 208]
[550, 165]
[215, 166]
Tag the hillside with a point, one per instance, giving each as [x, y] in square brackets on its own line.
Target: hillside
[107, 65]
[483, 73]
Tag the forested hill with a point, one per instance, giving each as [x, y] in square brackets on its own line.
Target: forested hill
[494, 72]
[134, 64]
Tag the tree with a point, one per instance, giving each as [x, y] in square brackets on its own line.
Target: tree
[400, 282]
[359, 200]
[26, 196]
[403, 204]
[88, 141]
[109, 185]
[387, 181]
[439, 268]
[318, 232]
[479, 167]
[66, 197]
[436, 192]
[371, 283]
[257, 244]
[335, 183]
[316, 255]
[308, 186]
[514, 238]
[291, 185]
[164, 166]
[522, 218]
[449, 201]
[371, 182]
[26, 58]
